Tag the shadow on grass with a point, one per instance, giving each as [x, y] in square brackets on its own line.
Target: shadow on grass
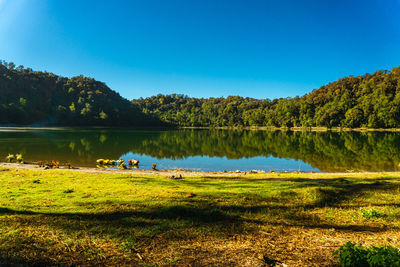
[195, 215]
[335, 192]
[133, 227]
[139, 224]
[186, 219]
[13, 261]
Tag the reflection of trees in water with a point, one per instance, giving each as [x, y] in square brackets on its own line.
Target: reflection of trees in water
[325, 151]
[77, 147]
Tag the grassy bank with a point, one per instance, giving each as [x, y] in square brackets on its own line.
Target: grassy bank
[77, 218]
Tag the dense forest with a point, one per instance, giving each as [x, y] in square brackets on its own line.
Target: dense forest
[371, 100]
[30, 97]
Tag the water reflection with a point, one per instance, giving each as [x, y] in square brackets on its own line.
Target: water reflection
[372, 151]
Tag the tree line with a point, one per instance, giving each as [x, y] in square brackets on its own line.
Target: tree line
[370, 100]
[30, 97]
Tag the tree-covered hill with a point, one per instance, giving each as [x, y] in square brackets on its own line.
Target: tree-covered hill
[371, 100]
[30, 97]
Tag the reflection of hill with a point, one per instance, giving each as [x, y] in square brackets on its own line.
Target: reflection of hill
[325, 151]
[76, 146]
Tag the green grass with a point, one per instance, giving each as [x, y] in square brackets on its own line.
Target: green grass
[66, 217]
[351, 254]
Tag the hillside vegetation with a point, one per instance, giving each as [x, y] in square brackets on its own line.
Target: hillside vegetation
[371, 100]
[42, 98]
[34, 97]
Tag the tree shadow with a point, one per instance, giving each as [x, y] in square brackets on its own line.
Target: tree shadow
[153, 220]
[12, 261]
[334, 192]
[199, 215]
[186, 218]
[214, 215]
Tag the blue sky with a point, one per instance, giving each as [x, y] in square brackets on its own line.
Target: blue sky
[255, 48]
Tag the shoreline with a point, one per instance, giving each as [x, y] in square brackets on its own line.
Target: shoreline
[296, 129]
[58, 128]
[247, 128]
[205, 174]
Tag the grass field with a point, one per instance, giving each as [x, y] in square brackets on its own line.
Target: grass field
[76, 218]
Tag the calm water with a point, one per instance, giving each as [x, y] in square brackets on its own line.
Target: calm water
[210, 149]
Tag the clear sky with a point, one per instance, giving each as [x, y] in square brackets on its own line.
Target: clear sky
[255, 48]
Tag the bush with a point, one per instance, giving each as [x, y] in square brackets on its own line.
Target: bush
[351, 254]
[372, 214]
[384, 256]
[10, 157]
[20, 158]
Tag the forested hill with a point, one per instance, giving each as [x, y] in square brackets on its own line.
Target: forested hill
[30, 97]
[371, 100]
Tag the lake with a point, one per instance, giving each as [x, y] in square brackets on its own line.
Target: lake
[209, 150]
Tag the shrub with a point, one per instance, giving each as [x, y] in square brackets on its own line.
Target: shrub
[10, 157]
[20, 158]
[351, 254]
[371, 214]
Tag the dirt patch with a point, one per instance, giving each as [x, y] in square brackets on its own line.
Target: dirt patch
[289, 246]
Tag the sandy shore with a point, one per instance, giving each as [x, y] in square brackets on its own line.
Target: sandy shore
[167, 173]
[190, 173]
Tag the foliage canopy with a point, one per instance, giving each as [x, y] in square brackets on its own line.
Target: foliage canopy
[371, 100]
[34, 97]
[42, 98]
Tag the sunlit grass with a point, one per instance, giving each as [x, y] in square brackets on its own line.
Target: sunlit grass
[66, 217]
